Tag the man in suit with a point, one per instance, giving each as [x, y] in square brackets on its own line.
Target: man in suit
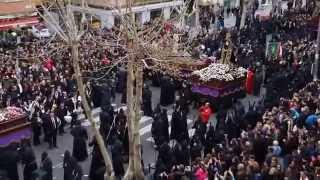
[61, 112]
[54, 124]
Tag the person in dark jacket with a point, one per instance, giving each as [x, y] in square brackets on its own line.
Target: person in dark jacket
[80, 136]
[147, 101]
[36, 129]
[46, 166]
[97, 167]
[29, 161]
[9, 159]
[165, 126]
[72, 170]
[117, 160]
[167, 94]
[61, 112]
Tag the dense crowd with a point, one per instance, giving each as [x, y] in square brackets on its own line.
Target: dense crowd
[275, 138]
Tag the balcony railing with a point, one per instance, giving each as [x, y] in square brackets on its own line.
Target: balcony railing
[136, 2]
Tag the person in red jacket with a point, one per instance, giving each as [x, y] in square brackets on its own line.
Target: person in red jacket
[205, 112]
[250, 81]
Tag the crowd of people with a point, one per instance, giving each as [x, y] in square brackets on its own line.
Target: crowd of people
[276, 138]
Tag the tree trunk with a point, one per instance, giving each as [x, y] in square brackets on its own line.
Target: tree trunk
[134, 95]
[130, 85]
[243, 13]
[75, 57]
[138, 169]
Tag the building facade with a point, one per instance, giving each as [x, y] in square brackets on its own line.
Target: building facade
[15, 7]
[109, 11]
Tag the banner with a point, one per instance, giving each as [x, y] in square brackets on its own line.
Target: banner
[274, 50]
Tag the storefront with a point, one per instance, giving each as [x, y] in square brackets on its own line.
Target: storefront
[20, 22]
[12, 29]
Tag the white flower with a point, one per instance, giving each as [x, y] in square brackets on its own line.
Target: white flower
[221, 72]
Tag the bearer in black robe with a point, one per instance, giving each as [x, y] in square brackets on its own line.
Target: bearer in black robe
[209, 139]
[80, 137]
[184, 98]
[167, 94]
[106, 118]
[165, 124]
[72, 170]
[96, 95]
[147, 101]
[157, 130]
[195, 147]
[36, 129]
[97, 167]
[175, 124]
[117, 160]
[181, 153]
[9, 159]
[29, 161]
[179, 125]
[121, 81]
[46, 166]
[61, 112]
[166, 155]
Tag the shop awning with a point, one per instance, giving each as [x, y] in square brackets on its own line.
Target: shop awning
[6, 24]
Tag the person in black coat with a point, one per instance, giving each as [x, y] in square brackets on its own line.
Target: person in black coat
[175, 124]
[9, 159]
[36, 129]
[195, 147]
[165, 126]
[147, 101]
[179, 126]
[209, 139]
[72, 170]
[29, 161]
[61, 112]
[117, 160]
[45, 118]
[97, 167]
[165, 153]
[167, 94]
[46, 166]
[96, 95]
[80, 136]
[181, 153]
[157, 130]
[106, 118]
[53, 126]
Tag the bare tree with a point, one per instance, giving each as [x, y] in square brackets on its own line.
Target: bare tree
[141, 44]
[71, 32]
[244, 9]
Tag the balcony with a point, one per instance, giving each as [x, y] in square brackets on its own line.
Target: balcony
[16, 7]
[109, 4]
